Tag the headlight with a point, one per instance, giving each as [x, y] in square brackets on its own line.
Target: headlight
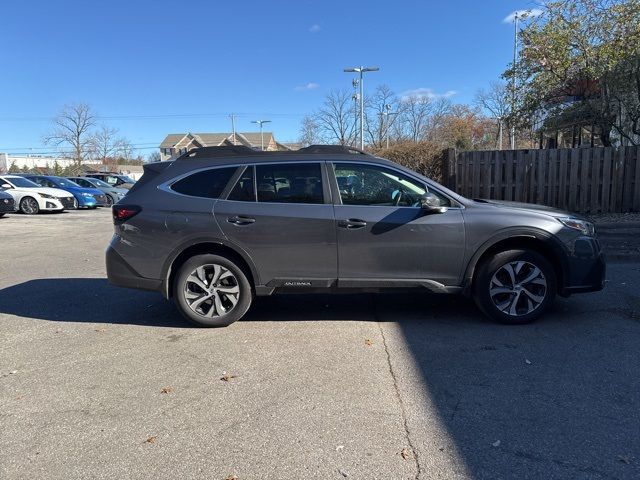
[583, 226]
[86, 195]
[44, 195]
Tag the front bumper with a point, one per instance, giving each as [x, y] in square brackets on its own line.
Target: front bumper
[120, 273]
[68, 203]
[101, 200]
[587, 267]
[86, 202]
[7, 206]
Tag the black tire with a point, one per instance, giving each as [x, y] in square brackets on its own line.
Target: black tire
[1, 215]
[235, 313]
[524, 295]
[110, 200]
[31, 209]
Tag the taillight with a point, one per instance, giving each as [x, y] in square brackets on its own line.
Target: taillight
[123, 213]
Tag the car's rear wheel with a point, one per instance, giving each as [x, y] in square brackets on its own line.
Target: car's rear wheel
[515, 286]
[212, 291]
[29, 206]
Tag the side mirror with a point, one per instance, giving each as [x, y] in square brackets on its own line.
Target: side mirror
[430, 202]
[6, 186]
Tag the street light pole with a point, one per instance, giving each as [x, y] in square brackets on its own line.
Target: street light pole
[513, 83]
[261, 122]
[361, 70]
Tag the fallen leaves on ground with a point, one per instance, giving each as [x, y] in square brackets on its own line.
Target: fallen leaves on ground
[151, 439]
[100, 330]
[166, 390]
[232, 477]
[227, 377]
[405, 453]
[368, 342]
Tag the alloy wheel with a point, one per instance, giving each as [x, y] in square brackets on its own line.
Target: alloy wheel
[518, 288]
[211, 290]
[29, 206]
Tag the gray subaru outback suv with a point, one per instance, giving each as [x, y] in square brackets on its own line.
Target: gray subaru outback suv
[219, 225]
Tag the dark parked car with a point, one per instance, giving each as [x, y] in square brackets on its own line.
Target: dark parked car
[219, 225]
[86, 197]
[114, 179]
[7, 203]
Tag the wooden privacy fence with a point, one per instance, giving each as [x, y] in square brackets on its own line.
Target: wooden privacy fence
[585, 180]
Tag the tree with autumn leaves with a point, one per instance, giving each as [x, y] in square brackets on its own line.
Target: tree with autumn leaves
[579, 65]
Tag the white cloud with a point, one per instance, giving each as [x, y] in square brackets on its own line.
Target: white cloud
[306, 86]
[425, 93]
[534, 12]
[315, 28]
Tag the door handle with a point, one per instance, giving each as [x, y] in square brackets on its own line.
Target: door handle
[240, 220]
[352, 223]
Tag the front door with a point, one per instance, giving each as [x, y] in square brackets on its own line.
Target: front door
[383, 234]
[281, 214]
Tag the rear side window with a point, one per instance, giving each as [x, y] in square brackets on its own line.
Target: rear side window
[244, 189]
[290, 183]
[207, 183]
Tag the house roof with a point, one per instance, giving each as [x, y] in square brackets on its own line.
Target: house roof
[251, 139]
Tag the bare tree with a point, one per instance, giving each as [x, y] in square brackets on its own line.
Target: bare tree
[382, 110]
[336, 118]
[310, 131]
[415, 114]
[496, 102]
[72, 131]
[154, 156]
[106, 144]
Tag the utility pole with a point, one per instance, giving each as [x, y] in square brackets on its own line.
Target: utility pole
[387, 124]
[233, 127]
[261, 122]
[361, 70]
[513, 83]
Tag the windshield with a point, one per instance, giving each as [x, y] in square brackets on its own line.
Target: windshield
[127, 179]
[20, 182]
[64, 182]
[99, 183]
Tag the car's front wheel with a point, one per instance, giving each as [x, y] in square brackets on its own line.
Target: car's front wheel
[515, 286]
[29, 206]
[212, 291]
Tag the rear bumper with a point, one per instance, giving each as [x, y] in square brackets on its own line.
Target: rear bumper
[587, 267]
[120, 273]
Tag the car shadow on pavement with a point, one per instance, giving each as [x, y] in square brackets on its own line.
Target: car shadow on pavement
[90, 300]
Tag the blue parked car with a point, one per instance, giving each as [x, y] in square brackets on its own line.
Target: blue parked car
[86, 197]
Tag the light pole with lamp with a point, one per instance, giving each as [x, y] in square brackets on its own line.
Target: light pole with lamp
[361, 70]
[261, 122]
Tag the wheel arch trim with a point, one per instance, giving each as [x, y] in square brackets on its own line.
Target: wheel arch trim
[205, 243]
[547, 240]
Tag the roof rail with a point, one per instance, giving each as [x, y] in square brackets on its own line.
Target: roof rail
[243, 151]
[223, 150]
[331, 149]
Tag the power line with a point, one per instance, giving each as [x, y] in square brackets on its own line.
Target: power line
[159, 116]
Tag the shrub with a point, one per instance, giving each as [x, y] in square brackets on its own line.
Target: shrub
[423, 157]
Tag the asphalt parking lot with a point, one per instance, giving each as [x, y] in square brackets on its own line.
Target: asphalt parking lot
[102, 382]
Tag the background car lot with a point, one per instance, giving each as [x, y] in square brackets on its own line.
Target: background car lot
[317, 385]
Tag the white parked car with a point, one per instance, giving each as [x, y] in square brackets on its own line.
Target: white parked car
[31, 198]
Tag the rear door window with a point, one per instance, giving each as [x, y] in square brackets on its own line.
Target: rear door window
[244, 189]
[206, 183]
[290, 183]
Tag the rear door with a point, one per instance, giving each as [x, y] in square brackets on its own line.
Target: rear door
[281, 215]
[383, 234]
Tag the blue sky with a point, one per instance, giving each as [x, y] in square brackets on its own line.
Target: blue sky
[154, 67]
